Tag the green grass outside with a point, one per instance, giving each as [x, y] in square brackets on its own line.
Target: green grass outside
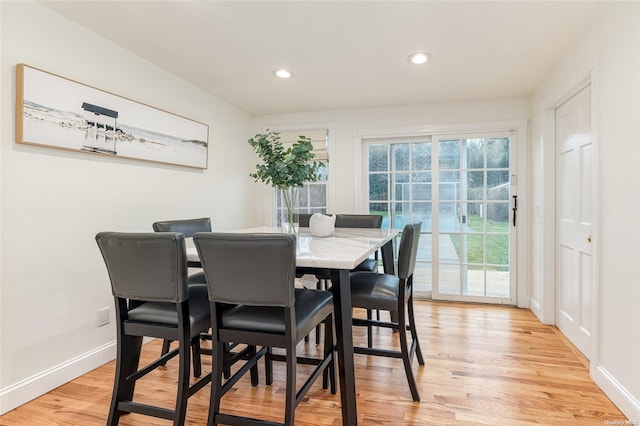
[497, 246]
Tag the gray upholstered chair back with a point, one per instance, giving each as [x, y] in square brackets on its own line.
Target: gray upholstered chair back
[358, 221]
[408, 250]
[145, 266]
[249, 269]
[303, 219]
[187, 226]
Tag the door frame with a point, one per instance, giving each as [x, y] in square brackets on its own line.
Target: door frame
[547, 302]
[520, 130]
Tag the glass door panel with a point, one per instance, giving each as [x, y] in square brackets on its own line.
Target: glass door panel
[461, 191]
[400, 188]
[473, 230]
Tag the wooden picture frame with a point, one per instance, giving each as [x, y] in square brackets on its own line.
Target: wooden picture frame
[57, 112]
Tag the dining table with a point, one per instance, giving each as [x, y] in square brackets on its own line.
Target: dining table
[339, 253]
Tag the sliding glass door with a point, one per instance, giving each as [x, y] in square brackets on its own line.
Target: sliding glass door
[460, 188]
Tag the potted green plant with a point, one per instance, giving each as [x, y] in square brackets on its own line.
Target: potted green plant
[286, 169]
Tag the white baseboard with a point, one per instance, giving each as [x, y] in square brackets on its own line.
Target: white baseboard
[621, 397]
[26, 390]
[534, 306]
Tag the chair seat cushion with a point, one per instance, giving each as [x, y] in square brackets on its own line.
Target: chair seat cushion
[165, 313]
[371, 290]
[312, 306]
[370, 265]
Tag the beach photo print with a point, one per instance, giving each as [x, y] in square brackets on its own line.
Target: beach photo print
[56, 112]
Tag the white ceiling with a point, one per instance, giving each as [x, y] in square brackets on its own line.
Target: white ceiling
[344, 54]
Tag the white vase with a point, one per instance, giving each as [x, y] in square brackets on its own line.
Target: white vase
[322, 225]
[289, 221]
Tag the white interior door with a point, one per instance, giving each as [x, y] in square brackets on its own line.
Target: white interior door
[574, 186]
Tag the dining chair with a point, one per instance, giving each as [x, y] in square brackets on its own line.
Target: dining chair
[371, 290]
[266, 310]
[148, 273]
[362, 221]
[347, 221]
[303, 220]
[187, 227]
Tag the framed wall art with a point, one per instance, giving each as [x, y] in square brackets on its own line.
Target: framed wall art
[57, 112]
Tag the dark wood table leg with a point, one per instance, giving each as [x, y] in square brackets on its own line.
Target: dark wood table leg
[346, 367]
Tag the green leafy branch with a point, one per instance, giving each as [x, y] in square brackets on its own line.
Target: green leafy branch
[284, 168]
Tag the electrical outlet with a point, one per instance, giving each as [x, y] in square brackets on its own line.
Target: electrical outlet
[103, 316]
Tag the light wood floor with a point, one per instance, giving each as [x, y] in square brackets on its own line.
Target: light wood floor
[486, 365]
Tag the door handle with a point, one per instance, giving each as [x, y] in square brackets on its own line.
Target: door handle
[589, 238]
[515, 208]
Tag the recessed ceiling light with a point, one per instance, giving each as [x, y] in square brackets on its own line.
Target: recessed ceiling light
[283, 73]
[419, 58]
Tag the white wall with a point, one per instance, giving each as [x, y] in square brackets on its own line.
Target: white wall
[609, 54]
[53, 202]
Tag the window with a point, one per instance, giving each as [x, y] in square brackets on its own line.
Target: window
[312, 198]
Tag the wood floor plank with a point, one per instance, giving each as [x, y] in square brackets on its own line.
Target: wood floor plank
[484, 365]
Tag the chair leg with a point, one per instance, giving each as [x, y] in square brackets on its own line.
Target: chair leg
[216, 381]
[254, 369]
[406, 359]
[195, 347]
[166, 345]
[414, 332]
[329, 374]
[320, 285]
[197, 362]
[325, 373]
[183, 380]
[227, 370]
[268, 368]
[369, 330]
[394, 318]
[127, 360]
[290, 404]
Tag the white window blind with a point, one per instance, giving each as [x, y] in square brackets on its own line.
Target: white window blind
[318, 139]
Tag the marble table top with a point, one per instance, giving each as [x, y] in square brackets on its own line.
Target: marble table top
[346, 249]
